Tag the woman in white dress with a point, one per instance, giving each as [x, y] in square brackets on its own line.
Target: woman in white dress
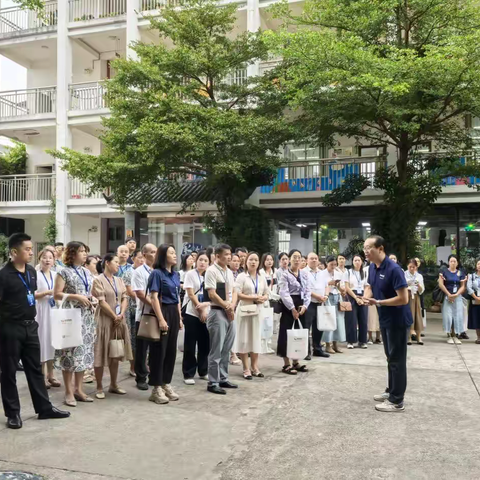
[253, 293]
[269, 272]
[45, 303]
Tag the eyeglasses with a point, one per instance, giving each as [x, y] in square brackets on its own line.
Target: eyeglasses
[368, 248]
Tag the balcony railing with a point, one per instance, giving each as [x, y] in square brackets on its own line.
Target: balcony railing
[87, 96]
[80, 191]
[32, 101]
[15, 21]
[147, 5]
[27, 188]
[82, 10]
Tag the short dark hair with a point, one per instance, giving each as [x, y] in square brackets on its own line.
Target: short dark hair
[241, 249]
[329, 259]
[183, 263]
[136, 252]
[89, 259]
[130, 239]
[452, 256]
[281, 255]
[341, 255]
[203, 252]
[292, 251]
[107, 258]
[161, 256]
[71, 251]
[221, 248]
[58, 244]
[379, 241]
[17, 239]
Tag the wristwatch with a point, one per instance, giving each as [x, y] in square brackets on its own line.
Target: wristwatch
[378, 303]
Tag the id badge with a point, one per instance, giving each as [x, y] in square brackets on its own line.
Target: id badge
[117, 310]
[51, 302]
[200, 298]
[455, 288]
[360, 291]
[31, 299]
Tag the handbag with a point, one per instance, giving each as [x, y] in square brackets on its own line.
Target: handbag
[297, 342]
[438, 295]
[149, 329]
[184, 308]
[248, 310]
[326, 318]
[266, 322]
[345, 306]
[66, 326]
[116, 347]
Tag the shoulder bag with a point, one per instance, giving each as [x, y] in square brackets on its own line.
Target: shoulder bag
[344, 305]
[149, 329]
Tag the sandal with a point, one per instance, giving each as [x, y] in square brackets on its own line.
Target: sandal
[477, 341]
[117, 390]
[289, 370]
[258, 374]
[300, 368]
[85, 399]
[247, 375]
[53, 382]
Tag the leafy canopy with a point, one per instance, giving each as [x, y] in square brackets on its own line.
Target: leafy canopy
[31, 4]
[185, 107]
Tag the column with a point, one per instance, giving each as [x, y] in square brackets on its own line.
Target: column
[253, 24]
[133, 33]
[64, 136]
[178, 240]
[132, 225]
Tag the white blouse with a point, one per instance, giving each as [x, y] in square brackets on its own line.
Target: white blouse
[356, 282]
[414, 287]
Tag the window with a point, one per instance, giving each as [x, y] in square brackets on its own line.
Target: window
[283, 241]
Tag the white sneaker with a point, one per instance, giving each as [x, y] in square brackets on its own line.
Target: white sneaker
[189, 381]
[456, 341]
[349, 345]
[370, 342]
[387, 406]
[270, 350]
[450, 340]
[382, 397]
[158, 396]
[169, 392]
[362, 345]
[204, 377]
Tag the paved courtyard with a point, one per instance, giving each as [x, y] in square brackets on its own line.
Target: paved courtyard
[316, 425]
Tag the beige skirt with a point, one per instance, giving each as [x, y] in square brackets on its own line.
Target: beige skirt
[416, 310]
[105, 333]
[373, 322]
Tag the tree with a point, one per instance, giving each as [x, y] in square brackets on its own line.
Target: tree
[14, 160]
[186, 108]
[31, 4]
[400, 73]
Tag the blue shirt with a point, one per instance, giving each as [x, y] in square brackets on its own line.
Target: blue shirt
[452, 280]
[384, 281]
[166, 284]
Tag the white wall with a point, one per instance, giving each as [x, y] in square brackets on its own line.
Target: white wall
[41, 76]
[36, 147]
[34, 225]
[82, 140]
[81, 224]
[304, 245]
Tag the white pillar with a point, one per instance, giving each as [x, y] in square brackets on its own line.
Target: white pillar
[64, 136]
[178, 240]
[253, 24]
[133, 32]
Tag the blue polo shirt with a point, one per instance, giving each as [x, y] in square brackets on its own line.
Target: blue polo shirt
[167, 284]
[384, 281]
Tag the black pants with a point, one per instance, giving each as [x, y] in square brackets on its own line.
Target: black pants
[164, 352]
[395, 344]
[316, 333]
[19, 341]
[141, 351]
[357, 318]
[196, 333]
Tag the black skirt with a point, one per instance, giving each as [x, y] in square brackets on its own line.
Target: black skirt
[287, 323]
[473, 317]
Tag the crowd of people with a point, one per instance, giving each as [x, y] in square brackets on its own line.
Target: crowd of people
[229, 304]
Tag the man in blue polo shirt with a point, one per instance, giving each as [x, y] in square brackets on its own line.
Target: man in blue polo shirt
[387, 289]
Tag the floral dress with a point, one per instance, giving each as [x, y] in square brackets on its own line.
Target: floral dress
[79, 359]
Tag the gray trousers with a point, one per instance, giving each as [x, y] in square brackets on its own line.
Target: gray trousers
[222, 336]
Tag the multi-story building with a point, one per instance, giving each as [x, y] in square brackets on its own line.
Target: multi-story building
[68, 52]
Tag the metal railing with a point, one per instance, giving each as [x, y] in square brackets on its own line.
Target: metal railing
[238, 77]
[27, 188]
[83, 10]
[269, 65]
[324, 174]
[16, 21]
[148, 5]
[32, 101]
[81, 191]
[88, 96]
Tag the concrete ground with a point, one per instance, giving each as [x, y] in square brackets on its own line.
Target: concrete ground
[321, 424]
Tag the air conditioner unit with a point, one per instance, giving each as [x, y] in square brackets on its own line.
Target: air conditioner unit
[342, 152]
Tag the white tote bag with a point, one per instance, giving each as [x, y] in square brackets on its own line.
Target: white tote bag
[326, 318]
[181, 339]
[297, 342]
[266, 322]
[66, 327]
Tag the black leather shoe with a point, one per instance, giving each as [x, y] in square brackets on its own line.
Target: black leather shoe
[228, 385]
[14, 422]
[216, 389]
[308, 357]
[321, 353]
[142, 385]
[54, 412]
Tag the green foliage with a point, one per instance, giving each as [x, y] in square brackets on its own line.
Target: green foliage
[328, 241]
[14, 160]
[350, 189]
[37, 5]
[177, 111]
[50, 229]
[354, 247]
[3, 249]
[250, 227]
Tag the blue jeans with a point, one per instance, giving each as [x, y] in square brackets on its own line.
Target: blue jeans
[452, 314]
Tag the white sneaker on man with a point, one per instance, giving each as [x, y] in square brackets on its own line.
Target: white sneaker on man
[456, 341]
[388, 406]
[349, 345]
[189, 381]
[382, 397]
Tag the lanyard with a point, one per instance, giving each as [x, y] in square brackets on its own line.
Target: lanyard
[255, 284]
[298, 279]
[83, 278]
[224, 275]
[149, 271]
[358, 277]
[27, 286]
[122, 270]
[199, 280]
[114, 286]
[51, 278]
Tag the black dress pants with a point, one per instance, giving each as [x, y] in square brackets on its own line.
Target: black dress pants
[141, 351]
[395, 345]
[164, 352]
[19, 341]
[357, 318]
[316, 333]
[196, 333]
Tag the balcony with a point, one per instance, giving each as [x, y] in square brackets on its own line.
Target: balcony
[87, 96]
[29, 102]
[27, 188]
[148, 5]
[84, 10]
[15, 21]
[80, 191]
